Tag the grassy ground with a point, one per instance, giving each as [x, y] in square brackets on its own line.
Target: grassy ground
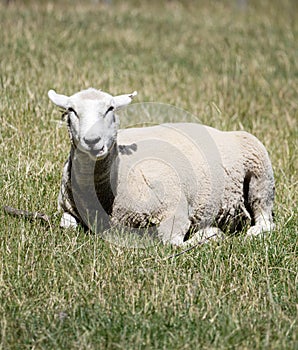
[235, 68]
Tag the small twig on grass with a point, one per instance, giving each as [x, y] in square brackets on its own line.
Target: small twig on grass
[27, 214]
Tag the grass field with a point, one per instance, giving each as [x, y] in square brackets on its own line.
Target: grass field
[235, 67]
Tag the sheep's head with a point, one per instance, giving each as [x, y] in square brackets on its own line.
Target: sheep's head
[91, 119]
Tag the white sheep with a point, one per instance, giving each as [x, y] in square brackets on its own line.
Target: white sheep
[186, 179]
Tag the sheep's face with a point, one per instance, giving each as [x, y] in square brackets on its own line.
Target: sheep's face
[91, 119]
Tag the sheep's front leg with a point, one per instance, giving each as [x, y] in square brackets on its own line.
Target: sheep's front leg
[67, 220]
[174, 228]
[204, 235]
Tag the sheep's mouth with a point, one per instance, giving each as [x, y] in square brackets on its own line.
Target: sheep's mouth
[98, 154]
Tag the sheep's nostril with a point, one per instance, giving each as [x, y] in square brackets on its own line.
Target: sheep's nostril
[90, 142]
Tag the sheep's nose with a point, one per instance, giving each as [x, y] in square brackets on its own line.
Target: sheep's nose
[91, 142]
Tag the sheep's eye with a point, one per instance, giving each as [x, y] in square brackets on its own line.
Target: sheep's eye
[110, 109]
[71, 110]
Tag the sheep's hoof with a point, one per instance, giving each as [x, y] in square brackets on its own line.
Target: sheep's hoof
[204, 236]
[67, 221]
[258, 229]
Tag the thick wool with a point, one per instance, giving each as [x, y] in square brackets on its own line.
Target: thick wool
[182, 178]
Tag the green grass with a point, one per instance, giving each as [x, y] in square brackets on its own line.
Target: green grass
[234, 69]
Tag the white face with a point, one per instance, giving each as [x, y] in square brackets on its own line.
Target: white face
[92, 123]
[92, 120]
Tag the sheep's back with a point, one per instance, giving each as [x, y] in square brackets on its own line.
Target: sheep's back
[164, 167]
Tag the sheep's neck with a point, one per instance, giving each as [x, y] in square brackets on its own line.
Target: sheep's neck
[96, 178]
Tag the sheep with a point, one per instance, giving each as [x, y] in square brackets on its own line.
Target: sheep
[185, 179]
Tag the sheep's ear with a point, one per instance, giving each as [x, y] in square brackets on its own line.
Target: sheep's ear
[57, 99]
[123, 100]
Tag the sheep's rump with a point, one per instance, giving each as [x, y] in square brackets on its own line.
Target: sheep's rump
[186, 170]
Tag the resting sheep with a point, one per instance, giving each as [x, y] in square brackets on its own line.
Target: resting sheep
[185, 179]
